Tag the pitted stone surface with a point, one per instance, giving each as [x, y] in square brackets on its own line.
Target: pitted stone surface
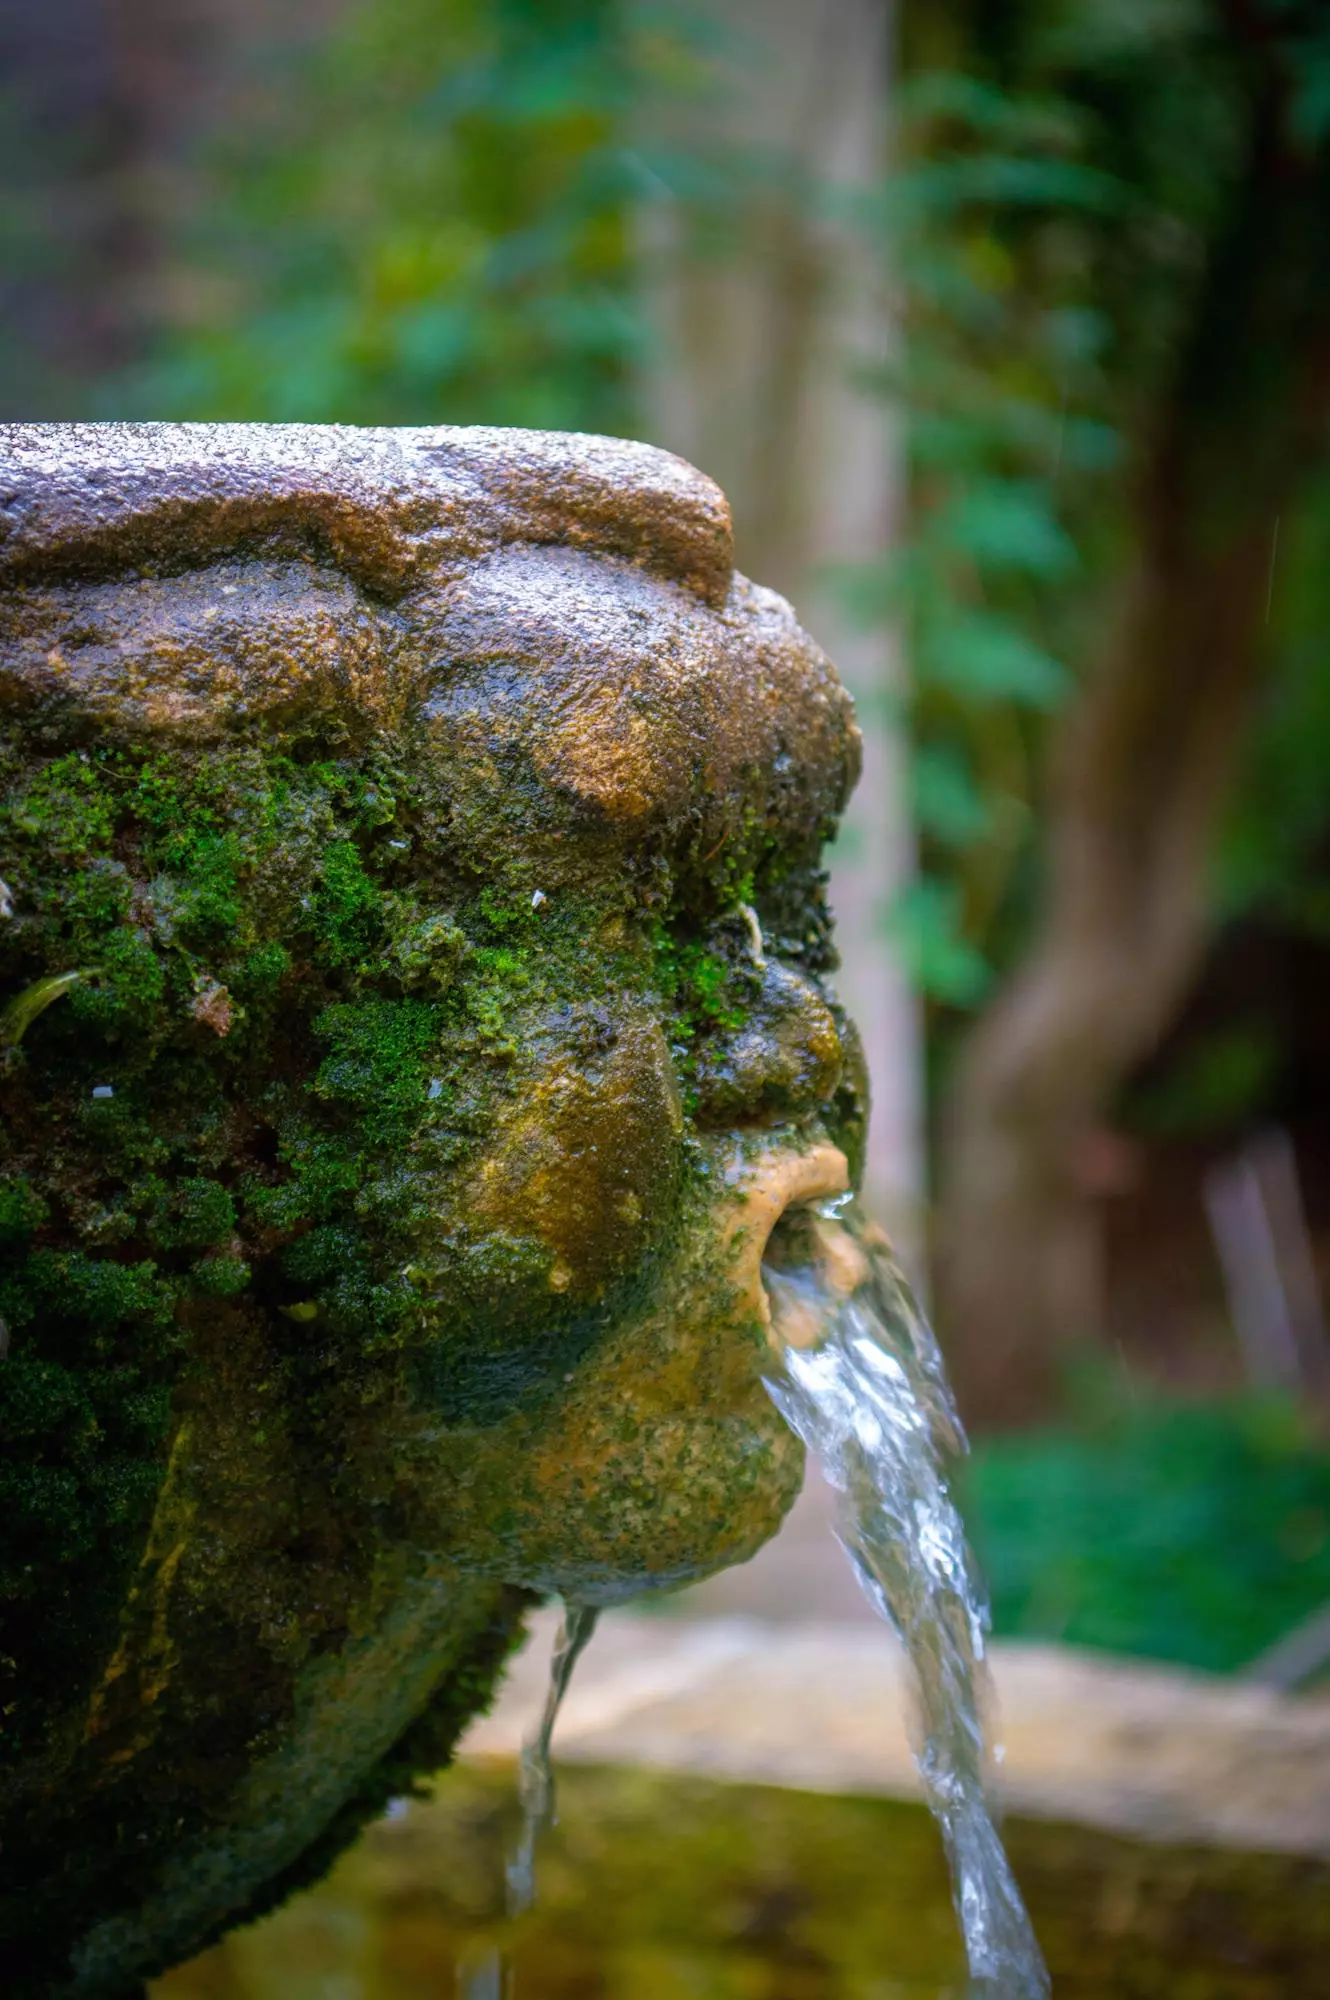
[390, 506]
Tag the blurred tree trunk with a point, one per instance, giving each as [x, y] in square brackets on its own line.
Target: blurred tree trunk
[84, 124]
[1139, 775]
[763, 326]
[103, 104]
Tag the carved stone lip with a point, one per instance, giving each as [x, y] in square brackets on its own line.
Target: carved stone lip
[780, 1181]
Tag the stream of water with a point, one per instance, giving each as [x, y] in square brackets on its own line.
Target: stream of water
[535, 1780]
[862, 1383]
[488, 1977]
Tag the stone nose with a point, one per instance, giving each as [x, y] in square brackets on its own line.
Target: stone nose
[786, 1058]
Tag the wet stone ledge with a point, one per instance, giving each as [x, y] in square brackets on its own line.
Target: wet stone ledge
[1143, 1750]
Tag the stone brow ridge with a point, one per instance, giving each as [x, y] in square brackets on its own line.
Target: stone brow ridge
[396, 509]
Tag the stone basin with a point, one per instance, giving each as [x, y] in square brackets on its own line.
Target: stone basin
[739, 1815]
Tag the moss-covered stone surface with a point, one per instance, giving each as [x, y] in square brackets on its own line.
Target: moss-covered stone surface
[412, 938]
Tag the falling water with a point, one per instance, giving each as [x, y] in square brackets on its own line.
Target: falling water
[487, 1977]
[863, 1385]
[535, 1782]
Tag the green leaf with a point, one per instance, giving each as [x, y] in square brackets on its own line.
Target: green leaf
[947, 802]
[1309, 108]
[924, 927]
[986, 658]
[986, 109]
[996, 180]
[1214, 1086]
[1005, 524]
[24, 1009]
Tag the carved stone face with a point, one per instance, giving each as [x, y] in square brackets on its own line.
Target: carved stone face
[432, 821]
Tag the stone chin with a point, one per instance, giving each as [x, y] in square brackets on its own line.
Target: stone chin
[666, 1459]
[414, 986]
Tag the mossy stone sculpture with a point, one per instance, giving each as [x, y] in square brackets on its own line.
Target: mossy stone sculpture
[412, 1023]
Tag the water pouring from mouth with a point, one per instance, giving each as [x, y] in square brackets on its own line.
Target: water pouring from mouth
[860, 1379]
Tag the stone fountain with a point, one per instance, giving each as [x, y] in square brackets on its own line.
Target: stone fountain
[413, 1024]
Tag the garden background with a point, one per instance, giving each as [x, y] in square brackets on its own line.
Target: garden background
[1007, 329]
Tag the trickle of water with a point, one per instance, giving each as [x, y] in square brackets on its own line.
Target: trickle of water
[483, 1978]
[488, 1976]
[535, 1781]
[862, 1383]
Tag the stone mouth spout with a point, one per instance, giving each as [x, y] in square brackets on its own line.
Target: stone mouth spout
[779, 1230]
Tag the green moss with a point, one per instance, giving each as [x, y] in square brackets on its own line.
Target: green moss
[209, 876]
[63, 809]
[417, 1758]
[501, 976]
[130, 983]
[348, 907]
[260, 972]
[317, 1173]
[708, 983]
[221, 1277]
[192, 1214]
[427, 951]
[73, 1293]
[85, 1407]
[227, 1136]
[21, 1210]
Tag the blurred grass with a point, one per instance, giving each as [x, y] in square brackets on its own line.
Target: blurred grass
[1194, 1533]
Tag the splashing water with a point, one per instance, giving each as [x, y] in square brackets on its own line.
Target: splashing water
[871, 1401]
[535, 1781]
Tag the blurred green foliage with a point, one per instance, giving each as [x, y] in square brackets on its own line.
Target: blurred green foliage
[1198, 1533]
[1062, 175]
[997, 378]
[1216, 1084]
[426, 217]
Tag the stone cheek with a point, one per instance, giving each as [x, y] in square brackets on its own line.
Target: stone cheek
[662, 1445]
[586, 1159]
[245, 645]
